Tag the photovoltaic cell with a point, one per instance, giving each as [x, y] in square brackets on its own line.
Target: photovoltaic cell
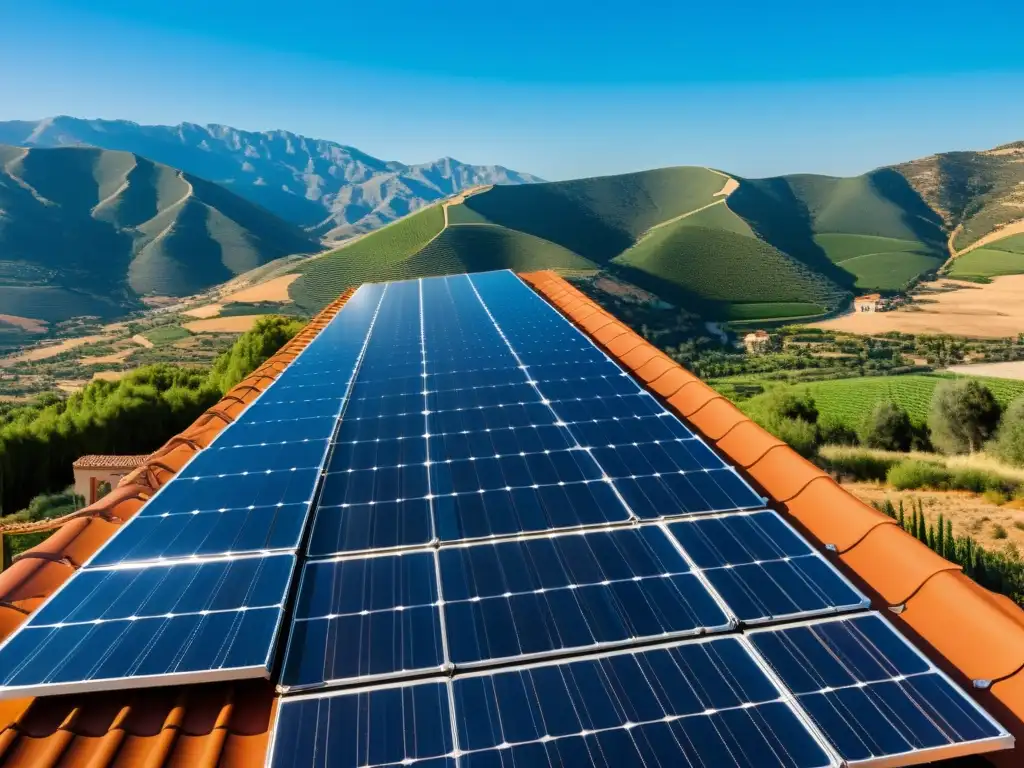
[763, 569]
[365, 618]
[170, 623]
[383, 727]
[873, 695]
[187, 601]
[535, 596]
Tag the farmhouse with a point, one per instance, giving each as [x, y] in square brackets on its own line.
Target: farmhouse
[756, 341]
[96, 476]
[871, 302]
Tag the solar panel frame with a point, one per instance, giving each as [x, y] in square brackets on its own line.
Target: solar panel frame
[1003, 740]
[863, 603]
[163, 678]
[7, 692]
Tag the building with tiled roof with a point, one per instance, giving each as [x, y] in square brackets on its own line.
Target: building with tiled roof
[96, 475]
[975, 636]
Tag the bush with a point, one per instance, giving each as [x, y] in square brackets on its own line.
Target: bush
[993, 496]
[790, 403]
[998, 531]
[801, 436]
[913, 473]
[832, 431]
[859, 465]
[1009, 442]
[978, 481]
[888, 428]
[964, 415]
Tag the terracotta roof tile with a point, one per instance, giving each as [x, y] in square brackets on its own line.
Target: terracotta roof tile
[717, 418]
[832, 516]
[97, 461]
[655, 368]
[892, 566]
[608, 332]
[965, 628]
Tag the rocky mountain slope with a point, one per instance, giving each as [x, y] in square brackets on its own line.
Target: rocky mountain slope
[331, 190]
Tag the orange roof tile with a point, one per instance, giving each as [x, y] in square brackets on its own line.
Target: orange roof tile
[968, 630]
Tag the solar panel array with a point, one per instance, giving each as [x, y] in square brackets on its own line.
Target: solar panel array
[508, 554]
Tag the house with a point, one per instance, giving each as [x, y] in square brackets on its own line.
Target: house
[871, 302]
[96, 476]
[756, 341]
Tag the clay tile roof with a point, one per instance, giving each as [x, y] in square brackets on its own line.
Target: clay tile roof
[973, 634]
[192, 726]
[98, 461]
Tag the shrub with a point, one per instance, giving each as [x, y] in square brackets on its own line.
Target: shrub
[859, 465]
[993, 496]
[801, 436]
[887, 427]
[1009, 442]
[832, 431]
[964, 414]
[978, 481]
[913, 473]
[998, 531]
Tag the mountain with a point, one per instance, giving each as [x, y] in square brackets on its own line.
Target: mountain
[90, 232]
[331, 190]
[727, 246]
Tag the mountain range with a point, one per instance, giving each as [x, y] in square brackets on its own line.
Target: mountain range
[729, 247]
[330, 190]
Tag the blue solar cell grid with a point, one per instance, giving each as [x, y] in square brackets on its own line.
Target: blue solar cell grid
[872, 694]
[193, 587]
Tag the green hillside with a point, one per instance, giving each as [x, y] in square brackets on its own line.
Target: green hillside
[867, 233]
[1003, 257]
[88, 231]
[380, 255]
[598, 218]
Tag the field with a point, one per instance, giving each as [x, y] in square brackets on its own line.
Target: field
[52, 304]
[712, 268]
[379, 256]
[1003, 257]
[231, 324]
[850, 399]
[995, 310]
[167, 334]
[880, 263]
[486, 246]
[772, 311]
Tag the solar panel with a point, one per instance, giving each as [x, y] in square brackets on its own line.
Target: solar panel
[522, 599]
[695, 704]
[874, 696]
[135, 625]
[172, 596]
[763, 569]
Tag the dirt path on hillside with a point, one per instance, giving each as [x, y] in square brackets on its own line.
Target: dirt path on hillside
[27, 324]
[50, 350]
[682, 216]
[1000, 233]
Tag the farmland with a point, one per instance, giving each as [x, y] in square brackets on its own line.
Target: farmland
[714, 268]
[1003, 257]
[880, 263]
[379, 256]
[848, 400]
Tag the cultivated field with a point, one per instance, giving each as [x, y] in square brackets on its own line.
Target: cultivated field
[1013, 370]
[235, 324]
[25, 323]
[275, 289]
[850, 399]
[995, 310]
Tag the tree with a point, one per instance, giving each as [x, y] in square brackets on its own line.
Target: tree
[887, 427]
[964, 414]
[1009, 442]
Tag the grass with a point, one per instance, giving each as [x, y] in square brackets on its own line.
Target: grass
[598, 218]
[847, 400]
[379, 256]
[879, 263]
[487, 246]
[717, 268]
[773, 311]
[166, 334]
[1002, 257]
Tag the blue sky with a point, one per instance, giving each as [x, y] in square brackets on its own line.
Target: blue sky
[558, 88]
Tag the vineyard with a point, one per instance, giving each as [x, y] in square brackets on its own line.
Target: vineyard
[717, 268]
[848, 400]
[379, 256]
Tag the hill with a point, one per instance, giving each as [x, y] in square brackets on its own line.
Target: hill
[90, 232]
[331, 190]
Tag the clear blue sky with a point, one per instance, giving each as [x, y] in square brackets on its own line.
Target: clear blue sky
[558, 88]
